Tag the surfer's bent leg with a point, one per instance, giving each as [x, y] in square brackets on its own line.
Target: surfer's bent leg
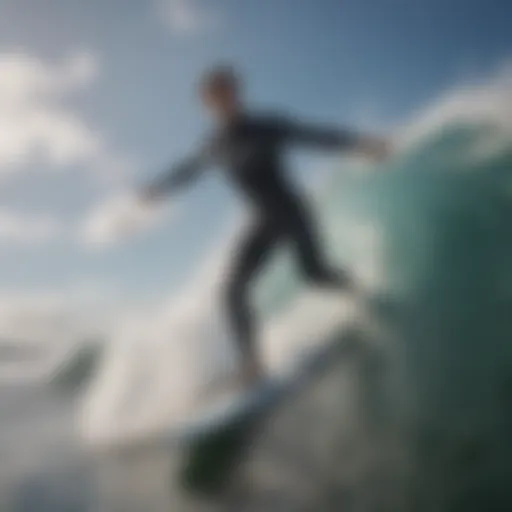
[312, 262]
[250, 257]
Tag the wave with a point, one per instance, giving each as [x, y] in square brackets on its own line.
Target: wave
[67, 368]
[430, 231]
[78, 368]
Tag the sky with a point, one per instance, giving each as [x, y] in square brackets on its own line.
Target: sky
[96, 97]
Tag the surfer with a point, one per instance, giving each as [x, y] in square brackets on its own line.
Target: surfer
[250, 148]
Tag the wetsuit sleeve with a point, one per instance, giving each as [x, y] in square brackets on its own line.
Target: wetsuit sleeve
[293, 131]
[180, 174]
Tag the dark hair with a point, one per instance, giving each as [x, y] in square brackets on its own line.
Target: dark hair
[222, 76]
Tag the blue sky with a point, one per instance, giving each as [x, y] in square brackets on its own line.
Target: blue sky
[119, 76]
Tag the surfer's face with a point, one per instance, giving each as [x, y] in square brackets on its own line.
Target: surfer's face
[222, 100]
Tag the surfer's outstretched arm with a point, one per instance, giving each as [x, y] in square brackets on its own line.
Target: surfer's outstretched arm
[335, 139]
[179, 175]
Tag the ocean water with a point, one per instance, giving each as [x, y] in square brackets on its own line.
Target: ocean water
[415, 417]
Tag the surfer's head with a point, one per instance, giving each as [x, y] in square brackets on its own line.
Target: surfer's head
[220, 90]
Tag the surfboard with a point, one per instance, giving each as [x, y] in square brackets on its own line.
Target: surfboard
[216, 438]
[233, 407]
[237, 407]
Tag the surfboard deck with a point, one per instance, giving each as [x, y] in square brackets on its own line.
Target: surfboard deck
[217, 439]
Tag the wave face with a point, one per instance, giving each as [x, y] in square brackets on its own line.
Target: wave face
[418, 421]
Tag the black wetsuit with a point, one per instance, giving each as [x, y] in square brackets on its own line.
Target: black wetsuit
[250, 149]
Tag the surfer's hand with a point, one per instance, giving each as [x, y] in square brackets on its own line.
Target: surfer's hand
[374, 148]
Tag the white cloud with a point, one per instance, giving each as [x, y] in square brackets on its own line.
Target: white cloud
[27, 229]
[107, 224]
[187, 17]
[117, 219]
[26, 78]
[35, 123]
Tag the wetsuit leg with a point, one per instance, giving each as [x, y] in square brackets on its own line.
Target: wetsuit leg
[306, 242]
[251, 255]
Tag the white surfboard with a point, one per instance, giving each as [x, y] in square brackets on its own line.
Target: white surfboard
[233, 408]
[217, 437]
[237, 407]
